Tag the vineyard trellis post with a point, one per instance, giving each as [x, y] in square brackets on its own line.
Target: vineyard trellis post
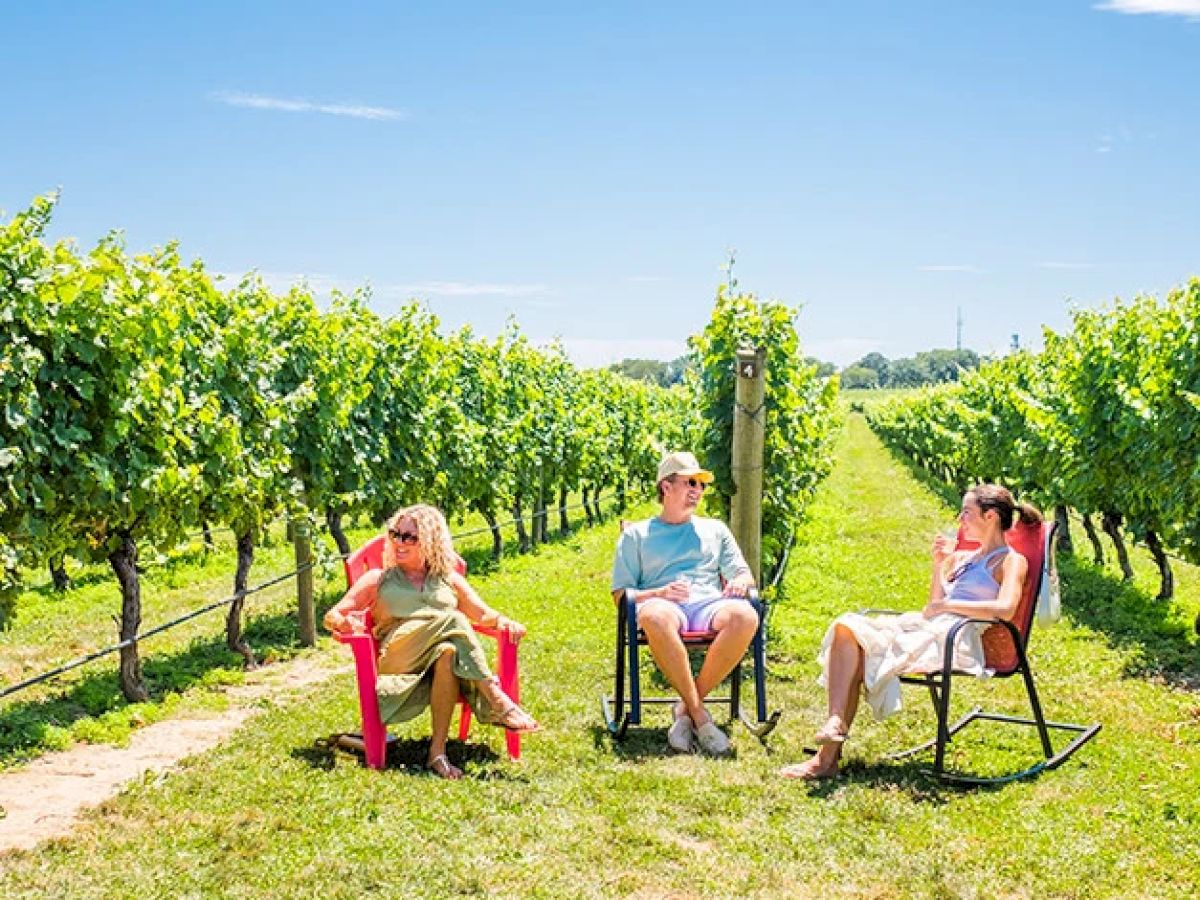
[305, 609]
[749, 416]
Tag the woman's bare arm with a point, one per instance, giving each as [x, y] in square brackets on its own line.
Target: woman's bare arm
[1012, 582]
[361, 596]
[471, 605]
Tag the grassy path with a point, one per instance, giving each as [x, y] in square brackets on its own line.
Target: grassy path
[272, 813]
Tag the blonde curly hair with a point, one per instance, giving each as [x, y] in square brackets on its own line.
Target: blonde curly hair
[433, 537]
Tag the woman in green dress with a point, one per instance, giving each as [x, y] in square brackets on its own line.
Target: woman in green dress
[428, 652]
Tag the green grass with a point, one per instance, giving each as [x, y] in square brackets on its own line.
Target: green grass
[275, 813]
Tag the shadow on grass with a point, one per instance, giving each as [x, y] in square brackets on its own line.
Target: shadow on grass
[31, 727]
[407, 756]
[1132, 620]
[639, 744]
[912, 777]
[909, 778]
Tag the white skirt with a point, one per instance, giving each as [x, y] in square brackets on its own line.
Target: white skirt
[907, 644]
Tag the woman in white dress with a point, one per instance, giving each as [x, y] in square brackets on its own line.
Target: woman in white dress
[868, 654]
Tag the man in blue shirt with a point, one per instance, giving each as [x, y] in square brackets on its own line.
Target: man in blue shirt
[686, 573]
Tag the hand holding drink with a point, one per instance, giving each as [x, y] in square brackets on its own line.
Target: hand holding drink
[358, 621]
[679, 590]
[944, 543]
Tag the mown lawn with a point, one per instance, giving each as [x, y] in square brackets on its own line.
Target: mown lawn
[274, 813]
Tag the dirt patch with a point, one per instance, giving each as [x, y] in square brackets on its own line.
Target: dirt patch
[44, 799]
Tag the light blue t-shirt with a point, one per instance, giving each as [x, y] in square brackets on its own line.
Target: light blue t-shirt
[652, 554]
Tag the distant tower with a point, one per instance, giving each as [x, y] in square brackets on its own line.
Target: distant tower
[1016, 343]
[958, 340]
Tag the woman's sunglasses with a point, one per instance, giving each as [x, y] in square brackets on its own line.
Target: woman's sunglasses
[404, 537]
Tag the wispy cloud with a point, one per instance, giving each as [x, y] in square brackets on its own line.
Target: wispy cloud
[278, 104]
[1189, 9]
[1055, 264]
[1123, 136]
[950, 268]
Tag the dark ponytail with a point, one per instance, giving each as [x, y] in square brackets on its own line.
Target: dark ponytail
[992, 496]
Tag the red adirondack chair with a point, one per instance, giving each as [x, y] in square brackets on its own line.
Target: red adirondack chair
[366, 656]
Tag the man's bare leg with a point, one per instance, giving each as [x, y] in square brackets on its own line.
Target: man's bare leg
[735, 625]
[660, 623]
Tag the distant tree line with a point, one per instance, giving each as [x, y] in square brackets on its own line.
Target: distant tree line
[930, 367]
[667, 374]
[653, 371]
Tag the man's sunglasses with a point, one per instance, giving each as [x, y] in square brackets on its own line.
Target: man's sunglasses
[404, 537]
[696, 483]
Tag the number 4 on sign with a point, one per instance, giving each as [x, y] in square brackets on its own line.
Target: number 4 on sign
[748, 370]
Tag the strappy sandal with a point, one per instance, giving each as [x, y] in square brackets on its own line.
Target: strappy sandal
[829, 735]
[509, 719]
[441, 766]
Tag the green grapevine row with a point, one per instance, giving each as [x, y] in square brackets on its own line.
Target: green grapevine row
[1105, 420]
[141, 400]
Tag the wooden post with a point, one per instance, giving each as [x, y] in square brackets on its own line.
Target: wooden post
[305, 610]
[749, 415]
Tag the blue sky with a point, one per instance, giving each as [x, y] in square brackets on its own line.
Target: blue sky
[586, 167]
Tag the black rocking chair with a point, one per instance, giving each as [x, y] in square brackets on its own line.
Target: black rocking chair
[1005, 650]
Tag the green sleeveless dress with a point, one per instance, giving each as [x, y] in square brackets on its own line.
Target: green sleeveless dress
[412, 627]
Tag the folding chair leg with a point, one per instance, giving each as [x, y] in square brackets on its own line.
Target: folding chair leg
[1034, 704]
[635, 688]
[765, 723]
[758, 647]
[943, 719]
[735, 693]
[616, 720]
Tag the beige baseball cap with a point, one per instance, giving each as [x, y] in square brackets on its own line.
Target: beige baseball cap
[682, 463]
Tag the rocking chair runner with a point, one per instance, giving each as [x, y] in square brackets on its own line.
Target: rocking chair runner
[366, 654]
[619, 712]
[1005, 649]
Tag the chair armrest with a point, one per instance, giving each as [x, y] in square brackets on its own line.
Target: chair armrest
[354, 639]
[501, 637]
[956, 630]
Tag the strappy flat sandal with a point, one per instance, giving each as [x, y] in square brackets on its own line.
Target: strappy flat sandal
[441, 766]
[506, 716]
[829, 735]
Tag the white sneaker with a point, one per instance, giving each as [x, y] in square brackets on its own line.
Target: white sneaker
[712, 739]
[679, 735]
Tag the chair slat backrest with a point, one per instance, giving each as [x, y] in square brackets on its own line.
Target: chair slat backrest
[1033, 542]
[370, 556]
